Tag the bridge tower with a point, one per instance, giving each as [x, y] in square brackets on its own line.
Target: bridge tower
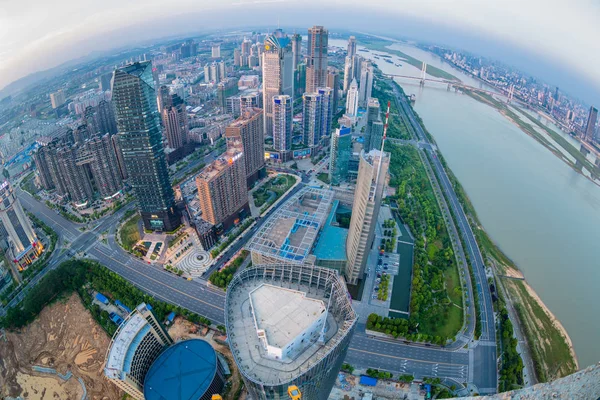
[423, 73]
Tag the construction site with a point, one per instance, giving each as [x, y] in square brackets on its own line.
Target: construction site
[58, 356]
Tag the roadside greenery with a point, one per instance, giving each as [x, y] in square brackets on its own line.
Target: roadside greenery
[401, 328]
[238, 231]
[223, 277]
[347, 368]
[382, 293]
[84, 276]
[130, 233]
[375, 373]
[435, 305]
[383, 92]
[323, 177]
[511, 365]
[272, 190]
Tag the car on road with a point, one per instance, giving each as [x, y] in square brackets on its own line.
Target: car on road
[385, 267]
[376, 288]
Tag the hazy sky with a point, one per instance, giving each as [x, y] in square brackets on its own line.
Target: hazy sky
[551, 38]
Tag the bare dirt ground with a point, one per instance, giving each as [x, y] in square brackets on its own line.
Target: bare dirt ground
[64, 337]
[182, 329]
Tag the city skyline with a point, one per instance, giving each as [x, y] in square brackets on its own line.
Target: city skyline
[447, 25]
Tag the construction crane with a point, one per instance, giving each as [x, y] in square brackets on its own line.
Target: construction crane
[294, 392]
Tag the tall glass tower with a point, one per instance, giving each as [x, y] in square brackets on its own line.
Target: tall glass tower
[140, 139]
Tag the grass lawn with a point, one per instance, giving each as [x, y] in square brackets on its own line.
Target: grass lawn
[323, 177]
[130, 234]
[278, 184]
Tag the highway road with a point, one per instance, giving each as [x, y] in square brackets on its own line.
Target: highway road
[483, 358]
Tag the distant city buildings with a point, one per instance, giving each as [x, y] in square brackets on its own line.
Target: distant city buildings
[57, 99]
[370, 184]
[16, 233]
[333, 82]
[175, 121]
[339, 156]
[316, 59]
[140, 141]
[249, 130]
[366, 82]
[216, 51]
[278, 74]
[352, 101]
[312, 120]
[297, 49]
[590, 126]
[372, 131]
[222, 190]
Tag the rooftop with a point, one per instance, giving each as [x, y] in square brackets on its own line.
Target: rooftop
[283, 313]
[124, 345]
[316, 285]
[332, 241]
[183, 371]
[290, 232]
[220, 164]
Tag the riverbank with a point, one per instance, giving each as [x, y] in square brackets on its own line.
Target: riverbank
[573, 157]
[548, 343]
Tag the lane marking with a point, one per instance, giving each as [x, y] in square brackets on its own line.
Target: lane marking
[403, 358]
[159, 282]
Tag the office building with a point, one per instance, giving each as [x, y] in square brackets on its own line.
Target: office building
[175, 121]
[352, 101]
[252, 100]
[216, 51]
[348, 74]
[225, 89]
[140, 140]
[339, 156]
[57, 99]
[278, 74]
[368, 194]
[316, 59]
[351, 47]
[326, 110]
[366, 82]
[282, 122]
[297, 49]
[163, 98]
[376, 135]
[16, 233]
[299, 80]
[590, 127]
[333, 82]
[222, 190]
[233, 106]
[290, 325]
[134, 347]
[373, 115]
[248, 129]
[311, 120]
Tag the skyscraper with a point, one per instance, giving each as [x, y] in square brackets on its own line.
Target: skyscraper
[175, 121]
[16, 230]
[365, 211]
[249, 130]
[216, 51]
[163, 98]
[297, 49]
[316, 60]
[282, 123]
[340, 152]
[352, 100]
[311, 120]
[222, 190]
[278, 74]
[326, 110]
[348, 73]
[333, 82]
[366, 82]
[104, 165]
[105, 118]
[104, 82]
[237, 58]
[590, 127]
[351, 47]
[57, 99]
[373, 115]
[140, 140]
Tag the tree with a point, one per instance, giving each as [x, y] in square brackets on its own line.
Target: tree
[5, 173]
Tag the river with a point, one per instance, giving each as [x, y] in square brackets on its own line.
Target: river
[540, 212]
